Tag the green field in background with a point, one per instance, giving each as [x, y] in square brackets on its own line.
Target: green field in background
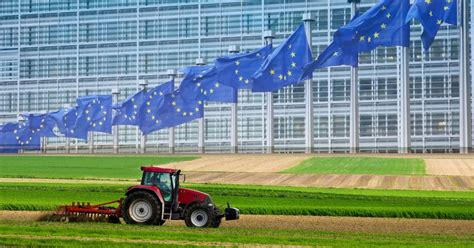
[36, 234]
[82, 166]
[262, 199]
[360, 165]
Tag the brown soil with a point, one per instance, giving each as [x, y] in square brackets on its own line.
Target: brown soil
[450, 183]
[241, 162]
[450, 166]
[322, 223]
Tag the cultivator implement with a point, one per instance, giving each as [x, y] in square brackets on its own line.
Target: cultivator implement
[85, 212]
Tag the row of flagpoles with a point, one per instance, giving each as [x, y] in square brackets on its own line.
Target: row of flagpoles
[266, 69]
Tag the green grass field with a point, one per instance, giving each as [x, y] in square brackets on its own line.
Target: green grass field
[112, 235]
[81, 166]
[360, 165]
[262, 200]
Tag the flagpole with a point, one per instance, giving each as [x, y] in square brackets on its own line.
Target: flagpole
[465, 135]
[268, 39]
[354, 101]
[234, 117]
[201, 124]
[142, 136]
[405, 137]
[309, 110]
[172, 74]
[115, 129]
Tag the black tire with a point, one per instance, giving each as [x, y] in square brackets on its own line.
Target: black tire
[146, 209]
[200, 217]
[217, 222]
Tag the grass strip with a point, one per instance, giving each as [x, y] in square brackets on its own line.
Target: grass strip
[93, 232]
[117, 166]
[360, 165]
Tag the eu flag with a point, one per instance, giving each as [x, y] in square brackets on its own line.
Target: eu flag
[237, 70]
[333, 55]
[41, 124]
[202, 82]
[178, 107]
[19, 136]
[382, 25]
[8, 141]
[126, 112]
[284, 66]
[67, 123]
[150, 112]
[431, 14]
[95, 113]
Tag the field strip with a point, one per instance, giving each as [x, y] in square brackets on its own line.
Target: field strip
[241, 162]
[452, 166]
[449, 183]
[446, 183]
[75, 181]
[140, 241]
[322, 223]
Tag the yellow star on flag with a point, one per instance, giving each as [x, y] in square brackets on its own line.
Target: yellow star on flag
[293, 64]
[383, 26]
[376, 35]
[388, 15]
[237, 62]
[427, 1]
[280, 77]
[362, 38]
[272, 72]
[293, 54]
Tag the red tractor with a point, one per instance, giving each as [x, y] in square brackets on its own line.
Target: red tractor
[158, 198]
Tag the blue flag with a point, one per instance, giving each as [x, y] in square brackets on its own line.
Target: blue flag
[237, 70]
[8, 141]
[66, 122]
[178, 107]
[333, 55]
[94, 113]
[382, 25]
[16, 136]
[41, 124]
[126, 112]
[431, 14]
[202, 83]
[284, 66]
[150, 112]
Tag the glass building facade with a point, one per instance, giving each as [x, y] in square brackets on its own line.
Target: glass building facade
[52, 51]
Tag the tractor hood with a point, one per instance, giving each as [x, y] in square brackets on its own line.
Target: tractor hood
[187, 196]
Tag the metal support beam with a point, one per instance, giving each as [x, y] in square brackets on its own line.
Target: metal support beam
[115, 129]
[354, 104]
[44, 144]
[404, 123]
[201, 123]
[233, 114]
[171, 143]
[309, 129]
[68, 145]
[91, 142]
[465, 122]
[268, 39]
[143, 85]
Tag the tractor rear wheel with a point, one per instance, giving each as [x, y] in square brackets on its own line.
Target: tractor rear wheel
[198, 216]
[141, 208]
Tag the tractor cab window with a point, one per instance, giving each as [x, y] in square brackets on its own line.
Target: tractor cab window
[160, 180]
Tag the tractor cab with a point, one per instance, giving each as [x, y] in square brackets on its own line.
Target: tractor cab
[167, 180]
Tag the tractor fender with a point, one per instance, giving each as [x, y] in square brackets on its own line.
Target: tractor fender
[151, 189]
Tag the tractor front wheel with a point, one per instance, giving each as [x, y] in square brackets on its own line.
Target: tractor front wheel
[142, 208]
[199, 216]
